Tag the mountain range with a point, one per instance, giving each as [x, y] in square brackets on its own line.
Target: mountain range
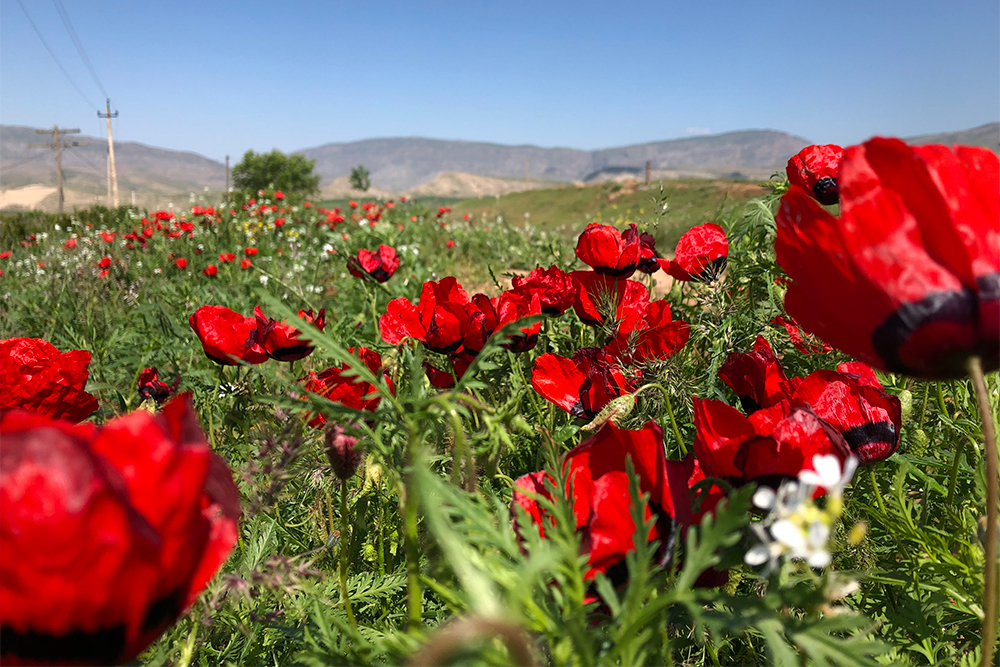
[404, 164]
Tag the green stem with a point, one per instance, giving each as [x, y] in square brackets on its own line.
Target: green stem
[673, 424]
[344, 547]
[975, 370]
[953, 479]
[876, 490]
[923, 407]
[414, 594]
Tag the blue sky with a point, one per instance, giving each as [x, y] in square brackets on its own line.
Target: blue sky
[221, 77]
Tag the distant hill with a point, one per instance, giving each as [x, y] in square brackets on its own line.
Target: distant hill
[987, 136]
[401, 164]
[397, 165]
[141, 168]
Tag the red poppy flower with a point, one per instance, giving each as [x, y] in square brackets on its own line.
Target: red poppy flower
[850, 399]
[647, 254]
[36, 376]
[245, 264]
[103, 273]
[226, 257]
[756, 377]
[450, 244]
[279, 222]
[553, 286]
[70, 244]
[853, 401]
[583, 385]
[282, 341]
[104, 263]
[700, 255]
[210, 270]
[279, 195]
[651, 335]
[349, 391]
[250, 252]
[226, 336]
[609, 251]
[908, 279]
[460, 362]
[770, 445]
[109, 533]
[439, 320]
[814, 169]
[599, 484]
[5, 254]
[486, 315]
[795, 334]
[151, 387]
[599, 297]
[181, 263]
[148, 232]
[109, 237]
[378, 265]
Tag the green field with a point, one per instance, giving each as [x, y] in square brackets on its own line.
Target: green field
[668, 207]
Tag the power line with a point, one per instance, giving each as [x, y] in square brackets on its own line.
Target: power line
[80, 155]
[52, 53]
[20, 162]
[78, 44]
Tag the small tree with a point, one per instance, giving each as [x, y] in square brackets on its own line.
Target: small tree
[292, 174]
[361, 178]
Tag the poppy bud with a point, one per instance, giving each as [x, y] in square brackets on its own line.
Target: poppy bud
[918, 443]
[340, 450]
[613, 412]
[905, 405]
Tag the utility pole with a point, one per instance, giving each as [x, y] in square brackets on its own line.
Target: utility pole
[648, 170]
[57, 146]
[227, 176]
[113, 180]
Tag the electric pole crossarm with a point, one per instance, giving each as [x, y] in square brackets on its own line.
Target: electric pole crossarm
[57, 145]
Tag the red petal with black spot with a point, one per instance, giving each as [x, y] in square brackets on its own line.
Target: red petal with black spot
[853, 401]
[598, 481]
[352, 391]
[150, 387]
[554, 287]
[378, 265]
[700, 255]
[814, 169]
[36, 376]
[281, 341]
[443, 314]
[654, 336]
[609, 251]
[109, 533]
[483, 321]
[510, 308]
[600, 297]
[583, 385]
[756, 377]
[226, 336]
[769, 446]
[647, 254]
[908, 279]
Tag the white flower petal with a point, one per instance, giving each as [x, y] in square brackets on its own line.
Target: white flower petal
[764, 497]
[818, 559]
[757, 555]
[789, 534]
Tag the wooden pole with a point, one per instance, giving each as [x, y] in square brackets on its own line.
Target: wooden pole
[113, 175]
[649, 168]
[57, 145]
